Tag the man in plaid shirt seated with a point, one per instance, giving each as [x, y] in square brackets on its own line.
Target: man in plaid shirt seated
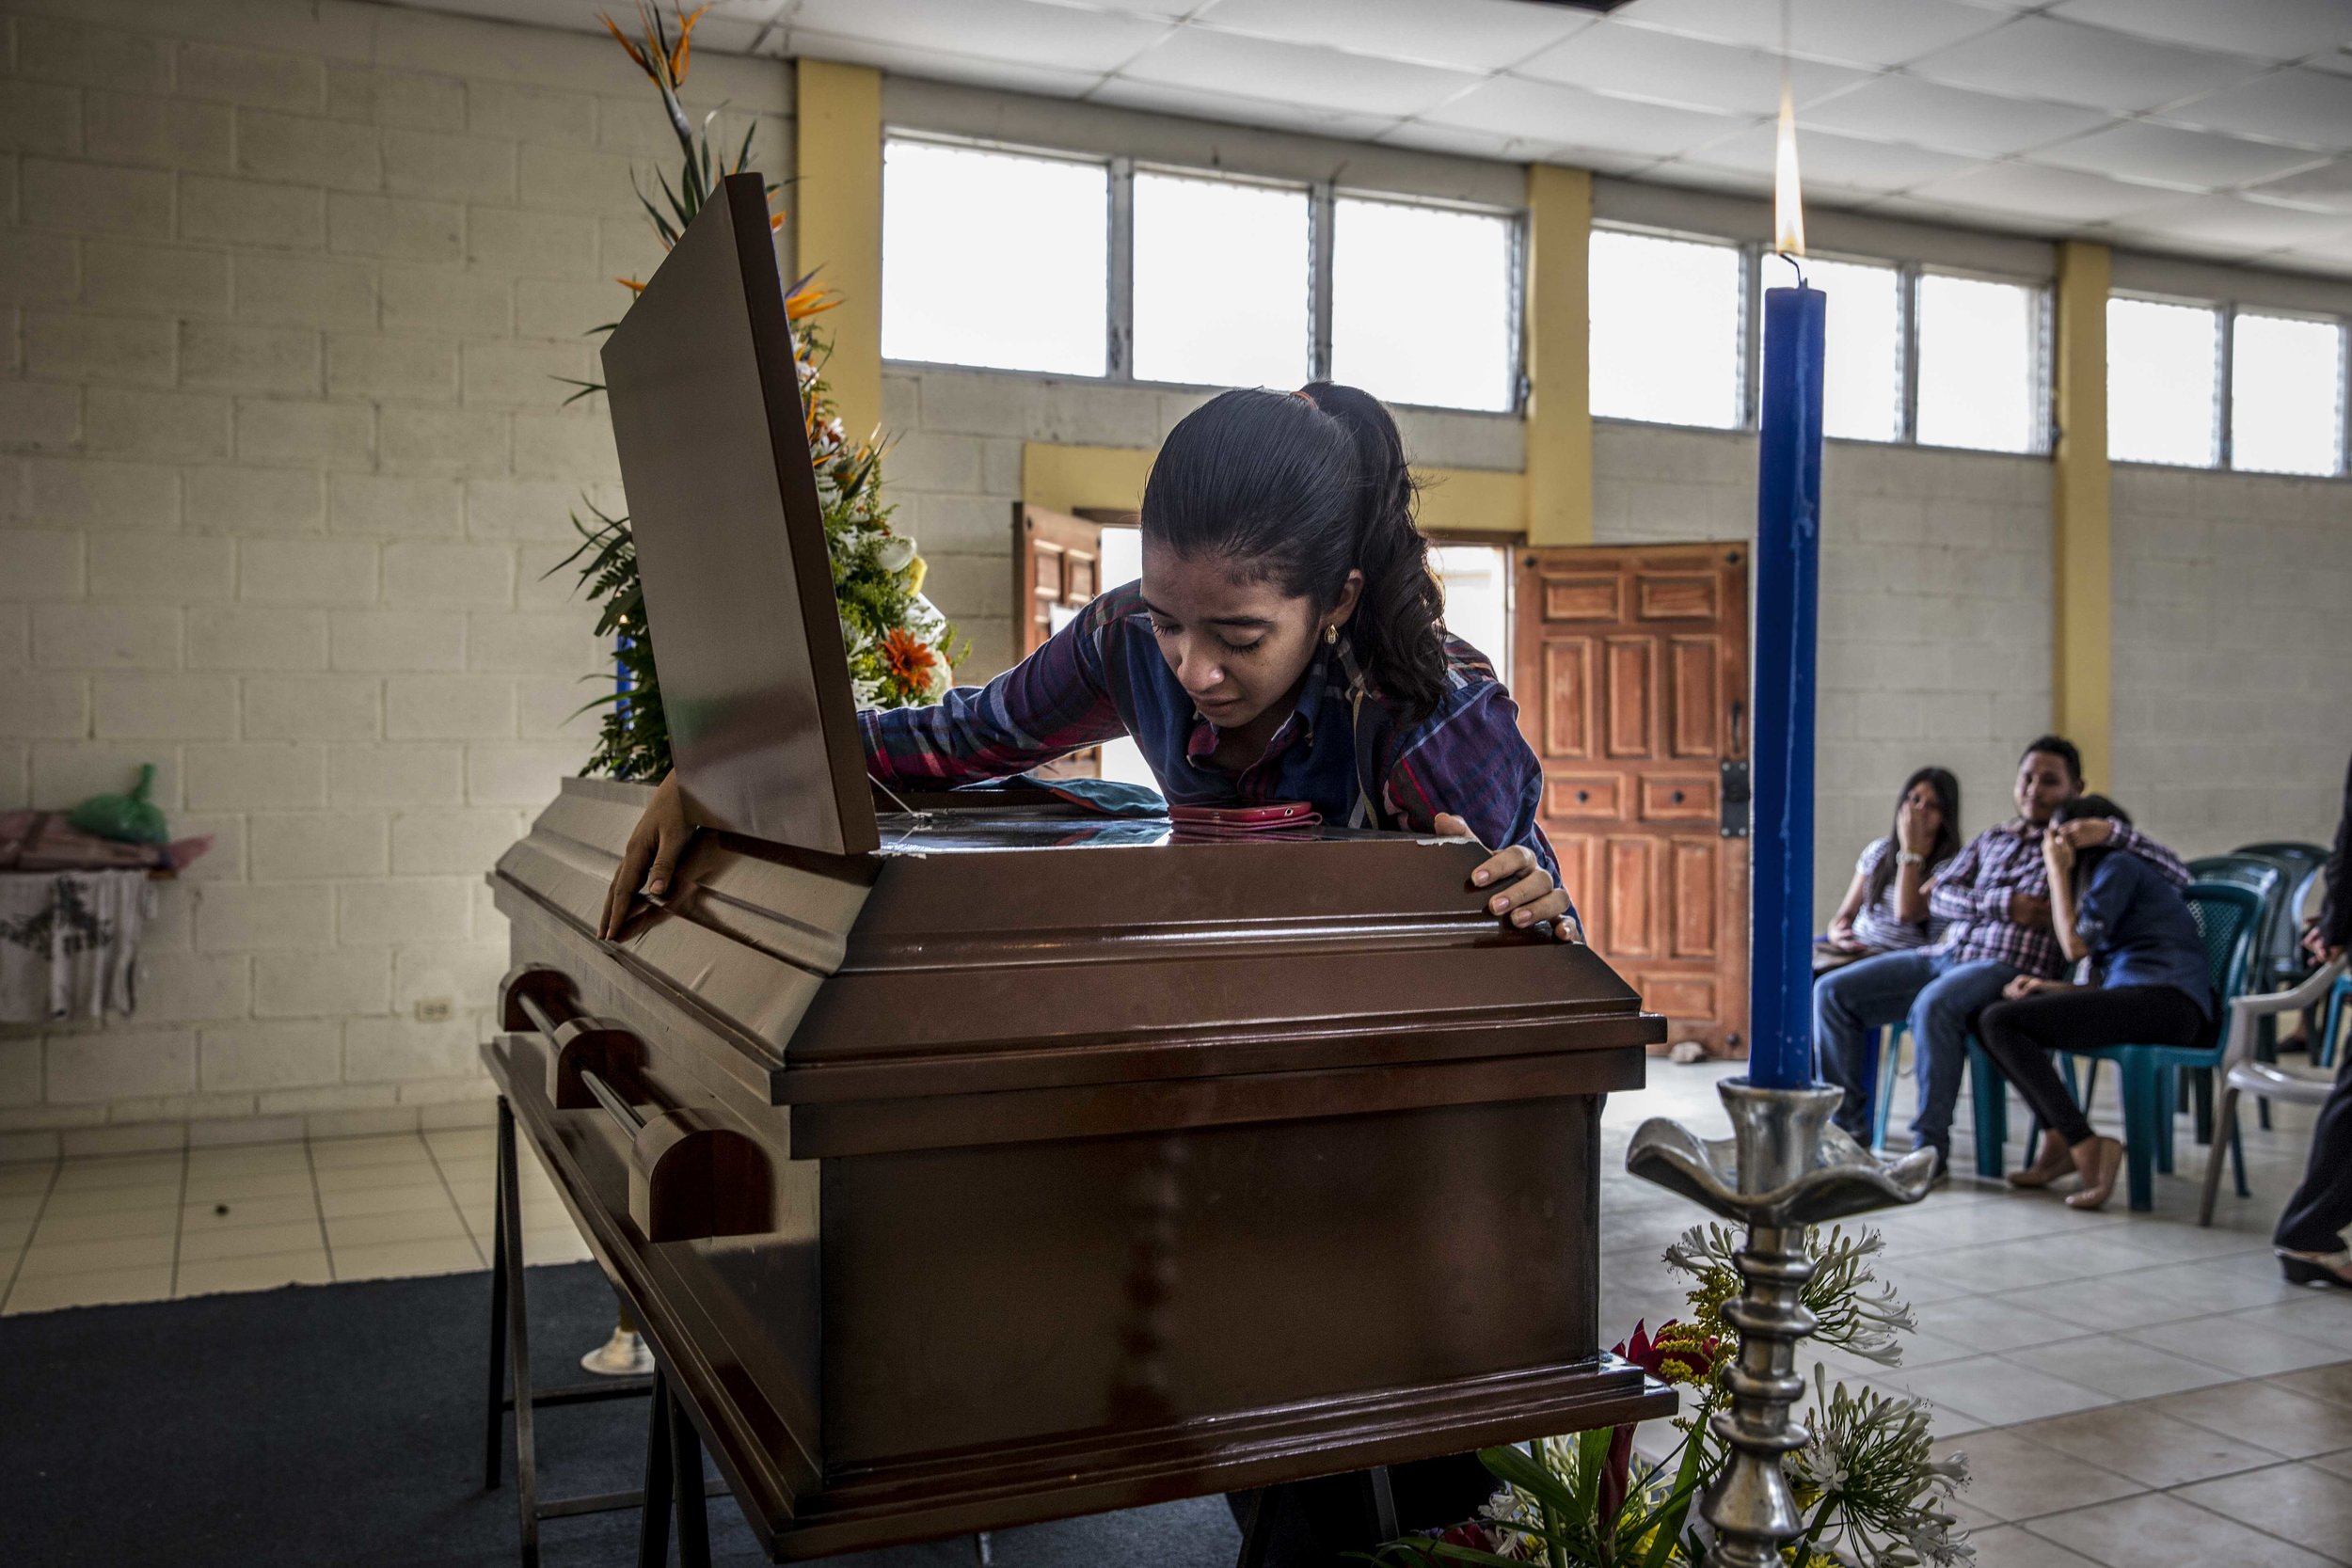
[1994, 901]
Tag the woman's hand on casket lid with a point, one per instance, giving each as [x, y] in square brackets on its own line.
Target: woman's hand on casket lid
[1519, 891]
[651, 858]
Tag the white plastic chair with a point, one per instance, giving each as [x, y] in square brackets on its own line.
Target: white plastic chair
[2242, 1074]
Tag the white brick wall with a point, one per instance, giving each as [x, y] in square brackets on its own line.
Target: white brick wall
[2232, 640]
[282, 289]
[1935, 609]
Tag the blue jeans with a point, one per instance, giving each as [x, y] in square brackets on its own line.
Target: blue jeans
[1940, 998]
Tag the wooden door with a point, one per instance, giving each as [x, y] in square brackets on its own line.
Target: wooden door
[1631, 662]
[1057, 564]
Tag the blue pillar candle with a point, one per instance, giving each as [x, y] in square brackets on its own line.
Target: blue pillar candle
[1788, 601]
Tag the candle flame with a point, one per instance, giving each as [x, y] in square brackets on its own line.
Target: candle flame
[1787, 206]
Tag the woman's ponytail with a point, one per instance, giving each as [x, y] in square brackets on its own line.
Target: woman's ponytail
[1303, 488]
[1397, 626]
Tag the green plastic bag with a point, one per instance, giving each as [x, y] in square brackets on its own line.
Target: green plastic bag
[127, 818]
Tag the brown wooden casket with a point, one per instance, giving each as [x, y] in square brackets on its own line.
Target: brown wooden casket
[989, 1161]
[1066, 1166]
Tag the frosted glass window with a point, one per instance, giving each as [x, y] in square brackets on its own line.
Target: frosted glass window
[1223, 279]
[1123, 563]
[2286, 395]
[1862, 383]
[1475, 580]
[1665, 342]
[991, 258]
[1979, 380]
[1421, 304]
[2163, 379]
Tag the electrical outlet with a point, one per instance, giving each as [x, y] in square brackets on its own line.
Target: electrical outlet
[435, 1009]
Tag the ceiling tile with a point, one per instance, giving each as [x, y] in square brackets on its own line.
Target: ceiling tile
[1851, 32]
[2234, 223]
[1469, 35]
[2015, 188]
[936, 65]
[1289, 73]
[1827, 158]
[2314, 107]
[2271, 29]
[1953, 119]
[1019, 32]
[1667, 67]
[1572, 118]
[2327, 187]
[1197, 103]
[2322, 257]
[2169, 155]
[1919, 208]
[1422, 134]
[2035, 57]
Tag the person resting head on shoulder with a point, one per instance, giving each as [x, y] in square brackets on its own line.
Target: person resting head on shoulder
[2151, 987]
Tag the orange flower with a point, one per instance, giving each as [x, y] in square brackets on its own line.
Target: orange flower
[677, 55]
[809, 301]
[631, 284]
[908, 658]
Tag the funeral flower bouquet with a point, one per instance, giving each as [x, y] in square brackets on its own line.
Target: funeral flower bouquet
[902, 649]
[1871, 1489]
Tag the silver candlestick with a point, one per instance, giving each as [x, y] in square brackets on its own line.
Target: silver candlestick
[1783, 1169]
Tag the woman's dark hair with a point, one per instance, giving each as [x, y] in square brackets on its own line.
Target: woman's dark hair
[1947, 843]
[1298, 489]
[2079, 808]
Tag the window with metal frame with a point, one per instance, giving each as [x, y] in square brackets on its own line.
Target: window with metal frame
[1983, 356]
[1034, 297]
[1425, 302]
[2164, 381]
[1222, 281]
[2286, 394]
[1667, 328]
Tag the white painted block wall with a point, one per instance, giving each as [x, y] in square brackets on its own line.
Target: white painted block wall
[284, 291]
[2233, 654]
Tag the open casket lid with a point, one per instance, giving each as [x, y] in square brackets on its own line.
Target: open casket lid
[730, 538]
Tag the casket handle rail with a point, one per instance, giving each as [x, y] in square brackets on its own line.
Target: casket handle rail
[690, 1177]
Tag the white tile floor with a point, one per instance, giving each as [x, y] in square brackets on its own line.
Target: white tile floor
[154, 1226]
[2130, 1391]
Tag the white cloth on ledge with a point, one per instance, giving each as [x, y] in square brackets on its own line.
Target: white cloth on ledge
[69, 944]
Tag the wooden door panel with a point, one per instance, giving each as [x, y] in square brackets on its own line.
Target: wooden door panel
[1584, 598]
[1695, 697]
[1696, 877]
[1679, 799]
[1581, 873]
[1056, 566]
[1683, 597]
[1632, 665]
[1631, 662]
[1584, 797]
[1567, 697]
[1633, 897]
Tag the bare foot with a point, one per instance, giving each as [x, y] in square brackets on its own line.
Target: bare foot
[2055, 1160]
[2098, 1160]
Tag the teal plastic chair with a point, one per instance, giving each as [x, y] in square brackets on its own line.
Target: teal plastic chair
[2229, 917]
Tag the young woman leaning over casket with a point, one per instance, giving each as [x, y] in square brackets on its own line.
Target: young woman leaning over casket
[1284, 644]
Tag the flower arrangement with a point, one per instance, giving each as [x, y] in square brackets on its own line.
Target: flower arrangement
[902, 649]
[1866, 1478]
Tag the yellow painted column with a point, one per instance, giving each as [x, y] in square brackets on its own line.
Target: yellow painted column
[837, 217]
[2082, 672]
[1559, 353]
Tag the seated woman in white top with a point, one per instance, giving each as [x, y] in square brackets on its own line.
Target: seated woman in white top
[1886, 906]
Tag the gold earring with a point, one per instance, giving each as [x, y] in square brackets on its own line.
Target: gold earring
[1332, 635]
